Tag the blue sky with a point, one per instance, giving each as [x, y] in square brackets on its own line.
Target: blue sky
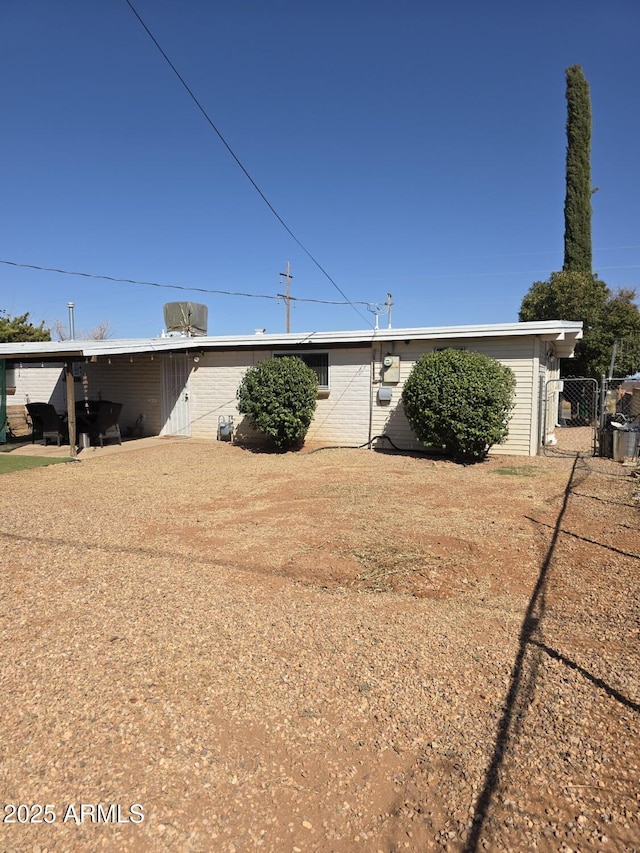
[411, 147]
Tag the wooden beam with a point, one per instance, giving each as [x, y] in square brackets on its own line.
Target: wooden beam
[71, 408]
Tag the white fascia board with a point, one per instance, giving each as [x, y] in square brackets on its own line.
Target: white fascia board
[549, 329]
[552, 330]
[564, 342]
[61, 350]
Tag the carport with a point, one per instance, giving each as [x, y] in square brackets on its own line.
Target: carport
[101, 369]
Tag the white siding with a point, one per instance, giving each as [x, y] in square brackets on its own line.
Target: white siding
[39, 383]
[136, 384]
[344, 416]
[214, 381]
[341, 418]
[548, 395]
[516, 353]
[349, 415]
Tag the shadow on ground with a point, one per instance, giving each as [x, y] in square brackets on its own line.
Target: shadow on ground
[532, 651]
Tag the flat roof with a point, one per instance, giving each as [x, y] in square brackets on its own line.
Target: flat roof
[562, 331]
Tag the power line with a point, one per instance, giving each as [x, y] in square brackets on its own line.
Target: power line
[277, 297]
[426, 277]
[549, 252]
[240, 164]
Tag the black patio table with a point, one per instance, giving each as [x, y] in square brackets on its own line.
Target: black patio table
[86, 414]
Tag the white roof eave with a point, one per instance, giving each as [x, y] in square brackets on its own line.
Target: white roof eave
[558, 331]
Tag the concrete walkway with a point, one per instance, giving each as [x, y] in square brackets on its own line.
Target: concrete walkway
[89, 453]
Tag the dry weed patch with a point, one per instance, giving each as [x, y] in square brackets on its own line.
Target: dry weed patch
[322, 651]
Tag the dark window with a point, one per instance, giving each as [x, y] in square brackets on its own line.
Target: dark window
[317, 361]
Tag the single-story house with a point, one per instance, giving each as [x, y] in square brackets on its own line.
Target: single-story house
[184, 386]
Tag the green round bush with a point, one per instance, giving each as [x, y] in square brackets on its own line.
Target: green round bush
[278, 396]
[459, 400]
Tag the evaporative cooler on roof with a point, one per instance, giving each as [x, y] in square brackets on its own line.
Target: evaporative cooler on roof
[190, 318]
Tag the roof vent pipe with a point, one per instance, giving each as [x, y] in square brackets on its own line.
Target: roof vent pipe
[72, 328]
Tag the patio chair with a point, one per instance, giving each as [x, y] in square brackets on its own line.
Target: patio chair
[106, 426]
[47, 422]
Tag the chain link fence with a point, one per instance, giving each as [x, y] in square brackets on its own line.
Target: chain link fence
[620, 419]
[570, 417]
[583, 416]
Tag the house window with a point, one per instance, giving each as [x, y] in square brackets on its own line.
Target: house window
[317, 361]
[444, 349]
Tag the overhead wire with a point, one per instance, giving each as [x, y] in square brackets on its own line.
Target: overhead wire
[277, 297]
[241, 165]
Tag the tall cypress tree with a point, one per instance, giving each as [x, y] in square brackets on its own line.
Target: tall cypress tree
[577, 293]
[577, 204]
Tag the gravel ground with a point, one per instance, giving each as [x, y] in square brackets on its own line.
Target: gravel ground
[330, 651]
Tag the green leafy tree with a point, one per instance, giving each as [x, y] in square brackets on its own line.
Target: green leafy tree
[606, 317]
[459, 400]
[278, 396]
[566, 296]
[14, 329]
[577, 205]
[619, 333]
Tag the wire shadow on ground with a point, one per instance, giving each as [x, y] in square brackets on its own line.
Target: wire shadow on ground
[522, 681]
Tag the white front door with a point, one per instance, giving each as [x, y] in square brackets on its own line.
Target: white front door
[175, 394]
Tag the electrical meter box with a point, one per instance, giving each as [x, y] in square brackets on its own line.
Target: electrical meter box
[391, 368]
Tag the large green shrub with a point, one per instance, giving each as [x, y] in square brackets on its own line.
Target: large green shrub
[278, 396]
[460, 401]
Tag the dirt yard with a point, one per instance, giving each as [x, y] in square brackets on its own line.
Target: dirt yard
[336, 651]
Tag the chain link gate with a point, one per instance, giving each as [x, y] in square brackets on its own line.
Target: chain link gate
[571, 417]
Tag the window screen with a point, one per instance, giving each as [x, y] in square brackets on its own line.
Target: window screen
[317, 361]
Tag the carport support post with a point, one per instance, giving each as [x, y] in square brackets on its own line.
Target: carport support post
[71, 408]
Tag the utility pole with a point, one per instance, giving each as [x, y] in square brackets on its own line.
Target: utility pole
[287, 296]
